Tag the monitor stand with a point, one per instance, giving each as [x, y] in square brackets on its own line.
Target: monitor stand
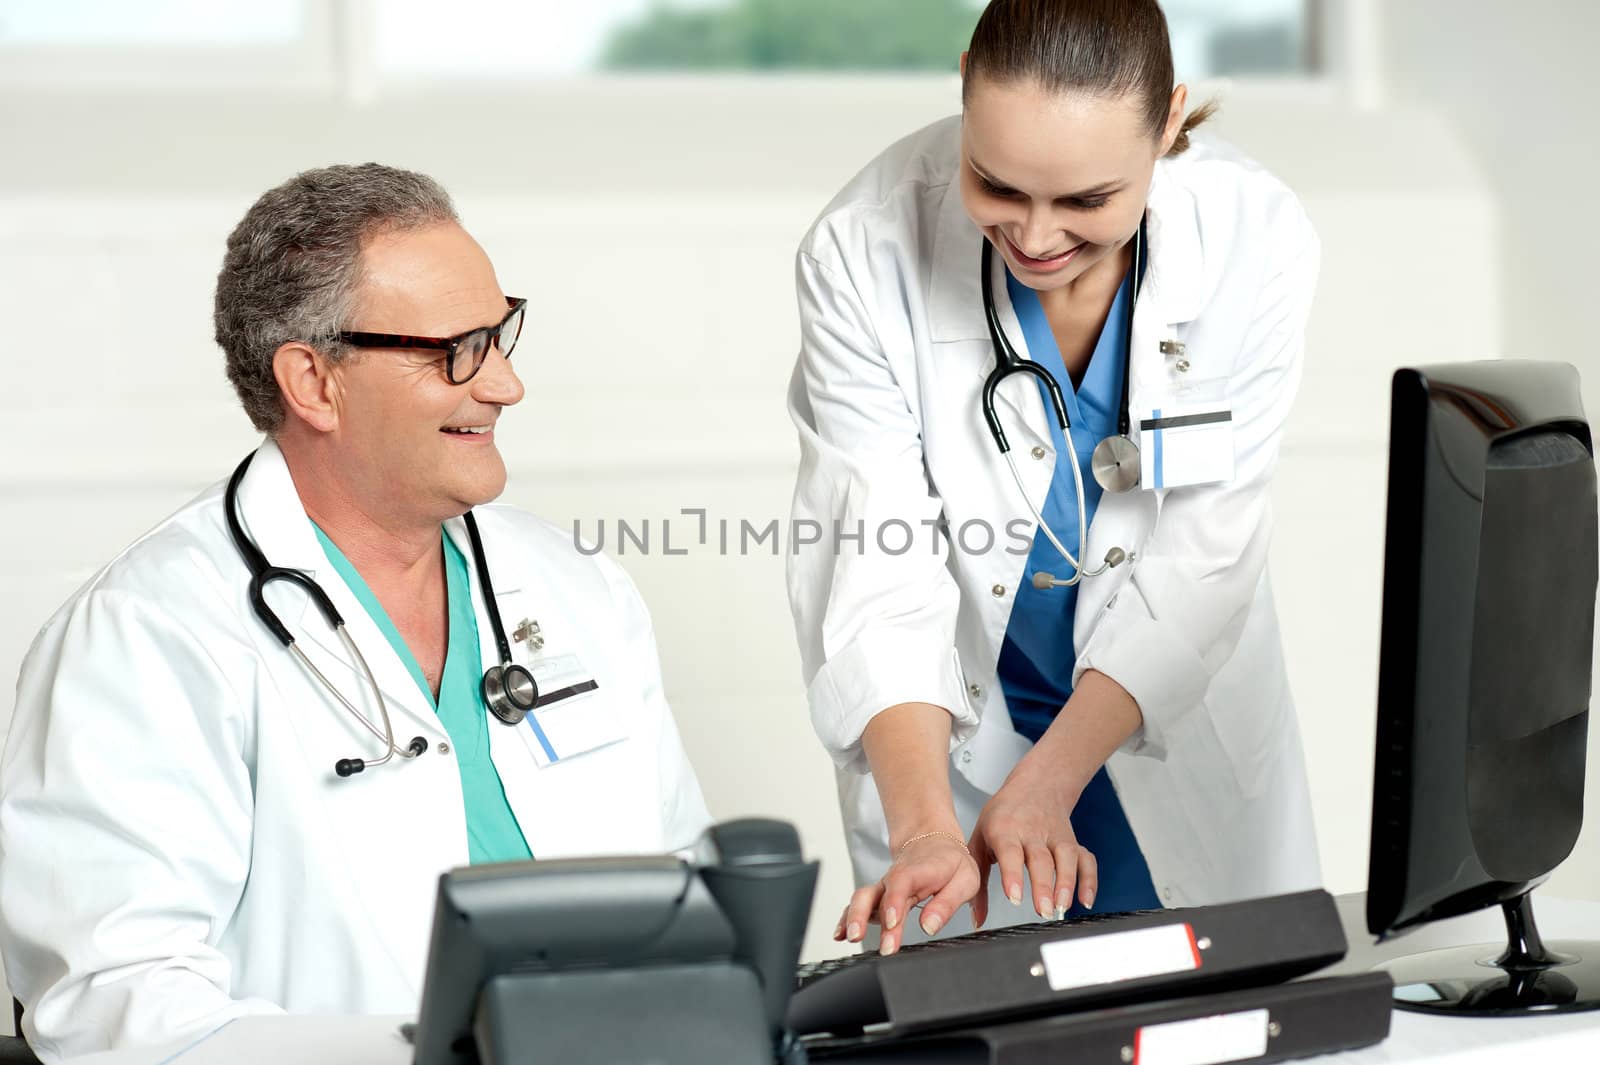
[1527, 977]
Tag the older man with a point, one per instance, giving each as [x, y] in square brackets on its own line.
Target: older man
[214, 802]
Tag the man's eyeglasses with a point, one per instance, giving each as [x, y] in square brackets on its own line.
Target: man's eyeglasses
[464, 354]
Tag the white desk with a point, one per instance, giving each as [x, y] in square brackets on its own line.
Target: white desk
[1414, 1037]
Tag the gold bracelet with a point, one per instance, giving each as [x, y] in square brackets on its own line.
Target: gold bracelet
[929, 835]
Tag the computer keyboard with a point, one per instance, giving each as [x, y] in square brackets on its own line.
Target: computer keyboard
[1048, 966]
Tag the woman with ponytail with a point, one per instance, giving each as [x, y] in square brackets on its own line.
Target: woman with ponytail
[1045, 659]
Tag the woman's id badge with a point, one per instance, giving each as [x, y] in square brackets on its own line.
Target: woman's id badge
[1185, 444]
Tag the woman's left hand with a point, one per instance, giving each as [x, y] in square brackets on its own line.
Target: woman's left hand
[1026, 826]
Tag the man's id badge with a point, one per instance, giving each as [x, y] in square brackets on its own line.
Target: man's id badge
[572, 716]
[1186, 443]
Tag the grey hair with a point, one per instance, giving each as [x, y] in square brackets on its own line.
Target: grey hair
[293, 264]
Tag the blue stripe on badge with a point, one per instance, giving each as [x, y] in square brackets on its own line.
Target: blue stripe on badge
[1160, 473]
[544, 741]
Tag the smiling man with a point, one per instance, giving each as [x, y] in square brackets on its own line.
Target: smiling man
[244, 752]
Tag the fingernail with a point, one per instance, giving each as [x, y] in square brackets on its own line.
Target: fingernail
[1061, 911]
[1088, 900]
[1014, 893]
[854, 934]
[890, 919]
[931, 923]
[1043, 908]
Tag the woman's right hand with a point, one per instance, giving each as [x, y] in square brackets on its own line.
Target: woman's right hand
[936, 869]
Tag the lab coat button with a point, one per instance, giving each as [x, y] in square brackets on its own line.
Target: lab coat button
[966, 757]
[999, 591]
[1183, 365]
[975, 690]
[443, 748]
[1039, 452]
[1166, 893]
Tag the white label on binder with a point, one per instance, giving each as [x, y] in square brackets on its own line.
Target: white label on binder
[1119, 956]
[1203, 1041]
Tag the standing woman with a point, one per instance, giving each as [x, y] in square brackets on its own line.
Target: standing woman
[1052, 652]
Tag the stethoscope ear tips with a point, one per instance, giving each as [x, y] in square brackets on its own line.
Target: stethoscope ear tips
[349, 767]
[1045, 581]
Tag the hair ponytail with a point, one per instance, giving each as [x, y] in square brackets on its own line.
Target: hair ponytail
[1197, 117]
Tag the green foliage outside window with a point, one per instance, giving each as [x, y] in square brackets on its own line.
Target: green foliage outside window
[797, 34]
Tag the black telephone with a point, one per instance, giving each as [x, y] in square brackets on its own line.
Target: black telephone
[621, 960]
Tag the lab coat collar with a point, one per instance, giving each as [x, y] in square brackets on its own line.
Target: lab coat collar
[955, 300]
[1175, 279]
[273, 516]
[506, 579]
[1173, 284]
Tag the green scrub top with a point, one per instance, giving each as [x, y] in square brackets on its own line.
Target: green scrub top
[493, 834]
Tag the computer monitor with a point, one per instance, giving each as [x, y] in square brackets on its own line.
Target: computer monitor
[1489, 585]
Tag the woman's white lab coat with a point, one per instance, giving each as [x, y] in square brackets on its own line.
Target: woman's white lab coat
[175, 849]
[886, 396]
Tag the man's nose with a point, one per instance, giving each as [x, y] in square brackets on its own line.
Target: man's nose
[497, 382]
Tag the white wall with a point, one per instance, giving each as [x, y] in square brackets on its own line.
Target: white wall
[668, 394]
[1516, 83]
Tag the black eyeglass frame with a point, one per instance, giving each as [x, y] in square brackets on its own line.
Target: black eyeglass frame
[451, 345]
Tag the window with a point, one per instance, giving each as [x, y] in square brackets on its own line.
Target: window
[1210, 37]
[149, 24]
[1233, 38]
[167, 42]
[363, 46]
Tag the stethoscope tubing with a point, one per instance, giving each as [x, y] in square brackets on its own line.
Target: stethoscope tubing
[1008, 362]
[514, 685]
[384, 735]
[262, 573]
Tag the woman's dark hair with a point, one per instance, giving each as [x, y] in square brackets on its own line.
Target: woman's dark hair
[1108, 48]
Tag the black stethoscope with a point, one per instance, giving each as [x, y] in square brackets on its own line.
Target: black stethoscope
[1115, 461]
[508, 689]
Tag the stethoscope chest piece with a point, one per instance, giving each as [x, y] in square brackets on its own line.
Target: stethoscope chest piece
[1115, 463]
[510, 691]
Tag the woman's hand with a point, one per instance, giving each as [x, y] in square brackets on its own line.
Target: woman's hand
[935, 868]
[1025, 825]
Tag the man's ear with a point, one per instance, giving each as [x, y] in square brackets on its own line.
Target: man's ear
[963, 66]
[308, 385]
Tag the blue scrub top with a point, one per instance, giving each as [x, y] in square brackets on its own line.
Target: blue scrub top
[493, 834]
[1037, 655]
